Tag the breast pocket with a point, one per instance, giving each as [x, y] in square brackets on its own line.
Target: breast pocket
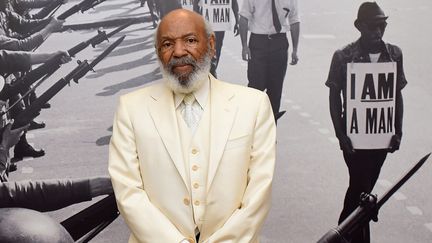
[238, 142]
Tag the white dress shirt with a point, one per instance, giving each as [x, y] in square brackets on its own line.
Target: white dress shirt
[259, 15]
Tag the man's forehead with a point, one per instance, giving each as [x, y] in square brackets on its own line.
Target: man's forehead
[181, 24]
[172, 32]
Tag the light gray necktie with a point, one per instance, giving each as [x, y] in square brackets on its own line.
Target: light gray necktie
[189, 116]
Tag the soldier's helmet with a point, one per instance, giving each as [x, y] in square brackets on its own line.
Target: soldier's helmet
[20, 225]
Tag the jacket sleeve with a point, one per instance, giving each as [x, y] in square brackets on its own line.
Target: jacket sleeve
[145, 221]
[25, 26]
[26, 4]
[26, 44]
[44, 195]
[245, 223]
[13, 61]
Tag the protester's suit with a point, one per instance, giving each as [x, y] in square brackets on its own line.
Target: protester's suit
[148, 173]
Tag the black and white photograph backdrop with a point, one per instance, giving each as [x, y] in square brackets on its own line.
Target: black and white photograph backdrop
[310, 178]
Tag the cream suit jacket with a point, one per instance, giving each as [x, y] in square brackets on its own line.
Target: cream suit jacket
[148, 172]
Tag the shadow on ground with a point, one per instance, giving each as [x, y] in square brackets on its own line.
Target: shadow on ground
[132, 83]
[105, 140]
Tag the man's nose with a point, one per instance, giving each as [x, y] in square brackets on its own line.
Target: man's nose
[179, 49]
[377, 30]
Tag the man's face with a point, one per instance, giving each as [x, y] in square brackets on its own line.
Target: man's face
[182, 45]
[373, 31]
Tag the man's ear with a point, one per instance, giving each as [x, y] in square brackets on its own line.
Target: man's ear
[212, 41]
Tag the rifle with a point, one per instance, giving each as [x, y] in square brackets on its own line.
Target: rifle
[83, 67]
[87, 223]
[110, 23]
[53, 64]
[367, 211]
[82, 6]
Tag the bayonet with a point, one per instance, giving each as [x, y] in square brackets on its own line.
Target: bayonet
[82, 6]
[53, 64]
[83, 67]
[367, 211]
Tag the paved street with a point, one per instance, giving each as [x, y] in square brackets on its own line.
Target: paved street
[311, 177]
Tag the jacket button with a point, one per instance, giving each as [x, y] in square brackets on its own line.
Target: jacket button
[196, 203]
[186, 201]
[196, 185]
[194, 151]
[195, 167]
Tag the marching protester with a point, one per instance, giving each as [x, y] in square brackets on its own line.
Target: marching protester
[220, 23]
[153, 6]
[364, 154]
[166, 6]
[267, 49]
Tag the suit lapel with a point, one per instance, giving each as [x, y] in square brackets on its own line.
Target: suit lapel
[162, 111]
[222, 118]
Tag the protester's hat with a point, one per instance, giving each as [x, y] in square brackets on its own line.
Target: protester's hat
[370, 12]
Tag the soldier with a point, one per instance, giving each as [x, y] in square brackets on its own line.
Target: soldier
[19, 225]
[22, 7]
[52, 194]
[21, 34]
[16, 61]
[17, 33]
[364, 165]
[11, 61]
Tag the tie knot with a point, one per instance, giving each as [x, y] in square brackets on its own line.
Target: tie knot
[189, 99]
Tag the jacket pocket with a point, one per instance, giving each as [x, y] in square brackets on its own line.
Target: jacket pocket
[237, 142]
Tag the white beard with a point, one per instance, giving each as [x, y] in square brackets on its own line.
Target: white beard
[195, 79]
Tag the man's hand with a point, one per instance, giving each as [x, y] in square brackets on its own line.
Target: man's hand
[394, 143]
[294, 58]
[345, 144]
[11, 137]
[100, 186]
[236, 29]
[55, 25]
[246, 53]
[64, 56]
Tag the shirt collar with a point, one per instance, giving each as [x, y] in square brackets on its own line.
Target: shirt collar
[201, 95]
[360, 52]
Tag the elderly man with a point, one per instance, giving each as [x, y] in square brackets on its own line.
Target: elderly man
[191, 157]
[364, 165]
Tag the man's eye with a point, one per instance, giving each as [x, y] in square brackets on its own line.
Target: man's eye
[166, 45]
[191, 40]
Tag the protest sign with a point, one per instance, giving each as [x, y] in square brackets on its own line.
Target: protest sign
[219, 14]
[187, 4]
[370, 104]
